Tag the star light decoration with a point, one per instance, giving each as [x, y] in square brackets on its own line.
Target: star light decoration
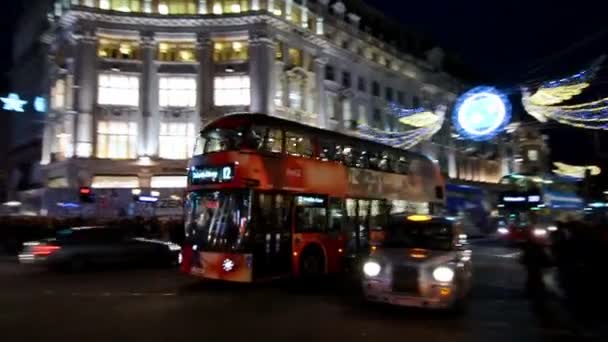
[424, 122]
[13, 103]
[544, 103]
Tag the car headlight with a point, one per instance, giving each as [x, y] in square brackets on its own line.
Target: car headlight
[503, 231]
[539, 232]
[552, 228]
[371, 268]
[180, 258]
[443, 274]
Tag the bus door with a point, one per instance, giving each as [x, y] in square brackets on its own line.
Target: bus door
[272, 236]
[358, 221]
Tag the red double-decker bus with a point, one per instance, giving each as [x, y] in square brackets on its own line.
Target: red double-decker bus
[269, 197]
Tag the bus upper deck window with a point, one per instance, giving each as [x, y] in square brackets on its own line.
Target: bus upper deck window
[327, 150]
[274, 141]
[385, 163]
[402, 165]
[362, 160]
[298, 145]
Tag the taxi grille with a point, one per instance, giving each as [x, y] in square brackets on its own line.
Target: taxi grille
[405, 279]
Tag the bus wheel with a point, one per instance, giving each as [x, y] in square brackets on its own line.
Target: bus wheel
[312, 263]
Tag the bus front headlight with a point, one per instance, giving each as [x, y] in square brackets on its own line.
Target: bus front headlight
[443, 274]
[371, 268]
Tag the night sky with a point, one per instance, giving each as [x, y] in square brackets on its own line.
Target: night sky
[507, 43]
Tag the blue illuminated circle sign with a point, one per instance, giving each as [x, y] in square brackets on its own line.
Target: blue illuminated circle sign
[481, 113]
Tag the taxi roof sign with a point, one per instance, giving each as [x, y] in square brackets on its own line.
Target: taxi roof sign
[419, 218]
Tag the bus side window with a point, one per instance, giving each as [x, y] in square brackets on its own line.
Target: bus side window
[402, 166]
[274, 141]
[298, 145]
[363, 223]
[311, 214]
[336, 215]
[349, 155]
[326, 150]
[362, 159]
[386, 162]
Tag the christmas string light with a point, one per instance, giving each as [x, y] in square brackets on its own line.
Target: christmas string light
[542, 104]
[405, 139]
[557, 91]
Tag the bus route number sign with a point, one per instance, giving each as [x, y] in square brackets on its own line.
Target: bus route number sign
[211, 174]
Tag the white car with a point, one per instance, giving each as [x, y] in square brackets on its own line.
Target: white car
[419, 261]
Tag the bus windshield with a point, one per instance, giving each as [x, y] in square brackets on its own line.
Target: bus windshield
[218, 219]
[428, 235]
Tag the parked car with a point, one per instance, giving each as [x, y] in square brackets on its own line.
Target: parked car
[78, 248]
[418, 260]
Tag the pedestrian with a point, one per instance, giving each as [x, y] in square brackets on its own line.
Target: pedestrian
[535, 259]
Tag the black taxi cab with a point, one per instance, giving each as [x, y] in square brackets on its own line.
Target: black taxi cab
[418, 260]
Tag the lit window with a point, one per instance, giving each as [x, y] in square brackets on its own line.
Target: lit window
[117, 89]
[177, 92]
[57, 182]
[115, 182]
[295, 94]
[177, 7]
[116, 139]
[170, 52]
[295, 57]
[104, 4]
[330, 106]
[168, 182]
[279, 51]
[230, 6]
[298, 145]
[58, 94]
[163, 8]
[176, 140]
[231, 91]
[126, 5]
[230, 51]
[118, 49]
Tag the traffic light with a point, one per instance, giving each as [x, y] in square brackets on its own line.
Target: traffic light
[86, 195]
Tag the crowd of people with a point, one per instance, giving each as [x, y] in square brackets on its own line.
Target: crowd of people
[578, 251]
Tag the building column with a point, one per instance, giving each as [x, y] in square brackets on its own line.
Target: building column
[262, 69]
[148, 131]
[86, 90]
[319, 68]
[204, 87]
[47, 139]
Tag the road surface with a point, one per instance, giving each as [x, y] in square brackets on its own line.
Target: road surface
[162, 305]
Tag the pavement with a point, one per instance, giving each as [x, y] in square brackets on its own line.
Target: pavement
[163, 305]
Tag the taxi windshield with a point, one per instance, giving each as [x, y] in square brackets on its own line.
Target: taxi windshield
[407, 234]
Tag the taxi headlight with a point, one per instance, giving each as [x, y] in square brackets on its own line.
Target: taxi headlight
[503, 231]
[539, 232]
[371, 268]
[443, 274]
